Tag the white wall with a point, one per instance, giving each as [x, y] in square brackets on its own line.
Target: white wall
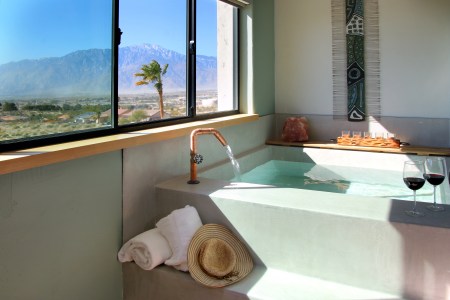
[415, 58]
[303, 76]
[414, 49]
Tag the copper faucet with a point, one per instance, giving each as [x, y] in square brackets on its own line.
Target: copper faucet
[197, 158]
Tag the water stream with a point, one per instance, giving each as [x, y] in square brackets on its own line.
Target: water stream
[234, 163]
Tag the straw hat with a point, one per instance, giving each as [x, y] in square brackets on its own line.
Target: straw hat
[216, 257]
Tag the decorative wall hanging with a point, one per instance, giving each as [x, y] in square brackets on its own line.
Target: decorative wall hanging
[356, 59]
[356, 101]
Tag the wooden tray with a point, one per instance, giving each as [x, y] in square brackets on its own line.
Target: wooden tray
[369, 142]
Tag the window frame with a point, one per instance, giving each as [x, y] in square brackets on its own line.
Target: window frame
[115, 128]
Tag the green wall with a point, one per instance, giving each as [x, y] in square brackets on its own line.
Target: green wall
[60, 230]
[264, 56]
[257, 58]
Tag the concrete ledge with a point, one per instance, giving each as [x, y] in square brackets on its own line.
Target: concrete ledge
[363, 242]
[261, 284]
[166, 283]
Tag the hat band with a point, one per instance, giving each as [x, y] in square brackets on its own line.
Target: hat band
[229, 277]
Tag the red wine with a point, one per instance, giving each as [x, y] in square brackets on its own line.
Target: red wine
[414, 183]
[434, 179]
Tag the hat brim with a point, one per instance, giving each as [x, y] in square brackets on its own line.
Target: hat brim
[244, 262]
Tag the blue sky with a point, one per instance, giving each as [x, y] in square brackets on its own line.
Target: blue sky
[163, 22]
[33, 29]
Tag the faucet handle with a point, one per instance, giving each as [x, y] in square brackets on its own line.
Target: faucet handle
[198, 159]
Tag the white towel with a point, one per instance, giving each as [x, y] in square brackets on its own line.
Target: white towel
[178, 228]
[148, 249]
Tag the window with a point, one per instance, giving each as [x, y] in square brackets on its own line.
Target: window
[177, 61]
[154, 36]
[159, 43]
[55, 67]
[216, 83]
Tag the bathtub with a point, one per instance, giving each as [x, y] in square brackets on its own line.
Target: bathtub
[367, 174]
[361, 241]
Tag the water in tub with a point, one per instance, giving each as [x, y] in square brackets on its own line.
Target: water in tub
[336, 179]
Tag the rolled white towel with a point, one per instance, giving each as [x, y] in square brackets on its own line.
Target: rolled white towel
[178, 228]
[148, 249]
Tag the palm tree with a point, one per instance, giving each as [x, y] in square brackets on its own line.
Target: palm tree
[153, 73]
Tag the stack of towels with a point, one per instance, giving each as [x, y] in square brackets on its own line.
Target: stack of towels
[167, 243]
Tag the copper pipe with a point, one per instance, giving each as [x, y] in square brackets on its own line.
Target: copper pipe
[194, 134]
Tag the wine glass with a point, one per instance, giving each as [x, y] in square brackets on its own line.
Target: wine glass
[413, 177]
[435, 171]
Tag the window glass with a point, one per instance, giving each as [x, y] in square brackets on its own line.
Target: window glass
[152, 60]
[55, 67]
[57, 75]
[216, 60]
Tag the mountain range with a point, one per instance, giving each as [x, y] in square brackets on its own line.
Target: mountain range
[87, 72]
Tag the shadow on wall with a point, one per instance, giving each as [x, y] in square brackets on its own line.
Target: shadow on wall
[425, 248]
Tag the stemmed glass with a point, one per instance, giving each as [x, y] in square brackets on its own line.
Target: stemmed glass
[413, 172]
[435, 171]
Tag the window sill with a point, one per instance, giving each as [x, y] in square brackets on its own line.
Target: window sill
[41, 156]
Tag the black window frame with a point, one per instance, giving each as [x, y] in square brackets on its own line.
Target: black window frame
[58, 138]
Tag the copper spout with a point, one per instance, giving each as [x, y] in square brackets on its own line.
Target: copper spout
[193, 162]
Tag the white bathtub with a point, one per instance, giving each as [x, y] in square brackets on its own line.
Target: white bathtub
[340, 171]
[359, 241]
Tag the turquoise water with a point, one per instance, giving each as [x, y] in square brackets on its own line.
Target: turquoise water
[336, 179]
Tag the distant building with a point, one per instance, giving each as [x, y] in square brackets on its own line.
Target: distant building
[88, 117]
[153, 114]
[124, 112]
[208, 102]
[64, 118]
[12, 118]
[150, 114]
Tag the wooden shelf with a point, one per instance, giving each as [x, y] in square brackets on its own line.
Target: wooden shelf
[426, 151]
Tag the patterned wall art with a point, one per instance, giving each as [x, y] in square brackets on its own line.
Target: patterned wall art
[356, 60]
[356, 110]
